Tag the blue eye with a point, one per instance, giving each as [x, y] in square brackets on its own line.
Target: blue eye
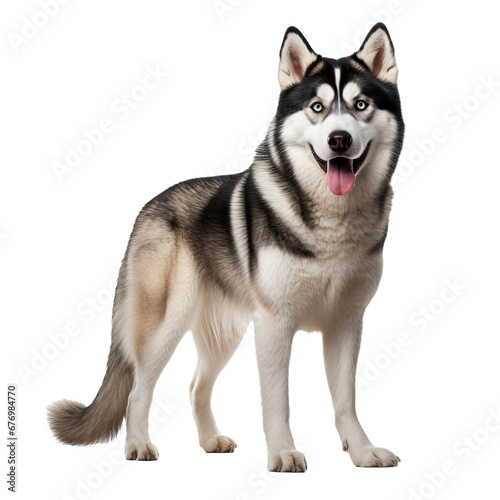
[317, 107]
[361, 105]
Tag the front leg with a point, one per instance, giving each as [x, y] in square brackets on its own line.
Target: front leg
[273, 339]
[341, 348]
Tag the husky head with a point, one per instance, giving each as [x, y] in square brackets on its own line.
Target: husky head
[339, 117]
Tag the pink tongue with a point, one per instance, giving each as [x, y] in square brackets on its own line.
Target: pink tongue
[339, 176]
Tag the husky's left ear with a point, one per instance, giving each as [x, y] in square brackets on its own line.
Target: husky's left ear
[296, 55]
[377, 52]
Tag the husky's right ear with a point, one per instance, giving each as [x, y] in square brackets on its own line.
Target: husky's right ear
[296, 55]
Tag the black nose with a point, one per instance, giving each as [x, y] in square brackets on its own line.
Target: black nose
[340, 141]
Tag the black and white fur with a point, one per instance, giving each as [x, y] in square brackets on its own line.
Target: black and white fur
[272, 244]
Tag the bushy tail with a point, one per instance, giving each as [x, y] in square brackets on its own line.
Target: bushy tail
[76, 424]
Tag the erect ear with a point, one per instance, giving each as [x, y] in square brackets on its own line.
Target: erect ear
[377, 52]
[296, 55]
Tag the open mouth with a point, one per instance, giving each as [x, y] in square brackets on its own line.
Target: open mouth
[341, 171]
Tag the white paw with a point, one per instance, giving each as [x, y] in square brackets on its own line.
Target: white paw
[287, 461]
[141, 450]
[373, 457]
[219, 444]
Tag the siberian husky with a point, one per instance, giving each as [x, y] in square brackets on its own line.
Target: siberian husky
[293, 243]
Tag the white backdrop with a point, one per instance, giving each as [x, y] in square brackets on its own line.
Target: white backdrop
[428, 370]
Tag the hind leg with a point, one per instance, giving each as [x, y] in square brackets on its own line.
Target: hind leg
[214, 351]
[155, 357]
[161, 302]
